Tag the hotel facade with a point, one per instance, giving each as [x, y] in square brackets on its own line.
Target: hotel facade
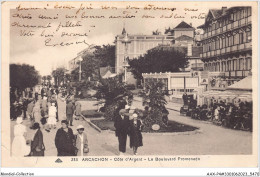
[227, 44]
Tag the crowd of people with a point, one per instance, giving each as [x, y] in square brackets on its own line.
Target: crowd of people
[236, 116]
[44, 117]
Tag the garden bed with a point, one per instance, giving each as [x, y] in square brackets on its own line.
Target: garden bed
[104, 124]
[92, 114]
[172, 127]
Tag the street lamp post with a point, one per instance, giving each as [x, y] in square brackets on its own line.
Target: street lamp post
[80, 71]
[125, 41]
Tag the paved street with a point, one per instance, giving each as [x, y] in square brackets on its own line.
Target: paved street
[213, 140]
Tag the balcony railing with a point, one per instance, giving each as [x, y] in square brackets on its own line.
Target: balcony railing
[235, 24]
[234, 48]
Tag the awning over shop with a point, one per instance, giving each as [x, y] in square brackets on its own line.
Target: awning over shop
[242, 85]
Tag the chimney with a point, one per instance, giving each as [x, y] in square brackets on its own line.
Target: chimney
[224, 9]
[191, 24]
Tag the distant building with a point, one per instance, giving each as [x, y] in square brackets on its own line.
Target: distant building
[227, 46]
[138, 45]
[182, 35]
[74, 63]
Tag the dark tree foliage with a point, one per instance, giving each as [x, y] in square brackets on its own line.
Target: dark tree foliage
[23, 76]
[155, 98]
[58, 75]
[106, 55]
[158, 60]
[112, 91]
[102, 56]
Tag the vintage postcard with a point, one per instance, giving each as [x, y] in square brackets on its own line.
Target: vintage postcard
[129, 84]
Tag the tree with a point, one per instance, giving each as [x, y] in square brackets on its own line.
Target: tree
[23, 76]
[102, 56]
[49, 78]
[106, 55]
[58, 75]
[155, 98]
[158, 60]
[44, 78]
[112, 91]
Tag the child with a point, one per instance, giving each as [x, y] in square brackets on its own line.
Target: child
[81, 141]
[52, 116]
[136, 139]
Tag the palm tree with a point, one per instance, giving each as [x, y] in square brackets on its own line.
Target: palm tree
[58, 75]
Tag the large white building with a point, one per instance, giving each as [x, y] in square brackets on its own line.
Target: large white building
[137, 45]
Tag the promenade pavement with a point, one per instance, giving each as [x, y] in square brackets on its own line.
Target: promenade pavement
[212, 140]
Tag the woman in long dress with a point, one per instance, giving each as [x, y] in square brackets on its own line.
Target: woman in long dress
[37, 145]
[52, 116]
[19, 147]
[136, 139]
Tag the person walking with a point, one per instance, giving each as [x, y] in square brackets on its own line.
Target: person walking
[70, 108]
[44, 106]
[78, 109]
[122, 125]
[30, 109]
[37, 145]
[25, 105]
[136, 139]
[81, 141]
[44, 112]
[64, 140]
[52, 116]
[42, 92]
[19, 145]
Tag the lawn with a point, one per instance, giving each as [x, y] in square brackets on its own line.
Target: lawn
[92, 114]
[172, 127]
[104, 124]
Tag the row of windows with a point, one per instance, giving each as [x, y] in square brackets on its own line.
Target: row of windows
[235, 16]
[140, 46]
[230, 65]
[162, 37]
[220, 43]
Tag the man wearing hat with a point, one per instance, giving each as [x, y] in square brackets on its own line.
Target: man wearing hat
[70, 108]
[64, 140]
[81, 141]
[122, 125]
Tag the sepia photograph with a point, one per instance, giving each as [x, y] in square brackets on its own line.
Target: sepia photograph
[127, 84]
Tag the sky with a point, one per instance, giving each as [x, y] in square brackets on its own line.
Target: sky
[32, 49]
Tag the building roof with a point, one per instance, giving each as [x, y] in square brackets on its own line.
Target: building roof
[183, 25]
[216, 12]
[184, 38]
